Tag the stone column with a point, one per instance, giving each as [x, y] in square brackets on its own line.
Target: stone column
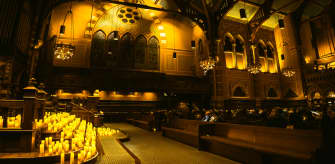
[30, 95]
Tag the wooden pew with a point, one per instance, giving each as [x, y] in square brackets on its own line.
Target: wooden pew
[256, 144]
[185, 131]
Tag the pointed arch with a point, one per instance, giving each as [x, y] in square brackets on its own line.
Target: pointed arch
[113, 48]
[261, 48]
[239, 92]
[153, 52]
[126, 56]
[98, 48]
[272, 93]
[139, 48]
[290, 94]
[269, 51]
[228, 43]
[239, 41]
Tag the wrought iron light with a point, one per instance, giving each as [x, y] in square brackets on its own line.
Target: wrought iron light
[208, 64]
[243, 14]
[281, 23]
[289, 72]
[254, 68]
[65, 51]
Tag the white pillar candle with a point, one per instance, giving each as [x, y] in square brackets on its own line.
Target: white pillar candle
[62, 158]
[72, 158]
[42, 148]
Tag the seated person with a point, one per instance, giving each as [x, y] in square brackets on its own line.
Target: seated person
[213, 118]
[207, 117]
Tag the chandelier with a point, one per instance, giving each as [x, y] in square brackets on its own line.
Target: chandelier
[289, 72]
[254, 68]
[208, 64]
[65, 51]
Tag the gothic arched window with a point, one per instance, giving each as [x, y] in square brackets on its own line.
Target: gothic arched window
[228, 45]
[261, 49]
[98, 49]
[269, 51]
[239, 46]
[153, 52]
[140, 45]
[113, 48]
[126, 57]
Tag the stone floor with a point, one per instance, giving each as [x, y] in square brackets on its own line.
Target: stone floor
[114, 152]
[153, 148]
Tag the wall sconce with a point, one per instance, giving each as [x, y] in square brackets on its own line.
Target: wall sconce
[281, 23]
[62, 30]
[193, 44]
[174, 56]
[243, 14]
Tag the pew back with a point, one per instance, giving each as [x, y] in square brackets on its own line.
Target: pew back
[187, 125]
[298, 140]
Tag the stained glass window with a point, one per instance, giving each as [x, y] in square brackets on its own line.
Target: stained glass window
[98, 49]
[153, 52]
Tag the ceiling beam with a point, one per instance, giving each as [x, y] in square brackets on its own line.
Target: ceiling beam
[260, 5]
[262, 14]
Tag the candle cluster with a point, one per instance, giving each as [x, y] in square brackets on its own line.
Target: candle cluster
[14, 122]
[90, 144]
[107, 131]
[50, 147]
[55, 122]
[81, 135]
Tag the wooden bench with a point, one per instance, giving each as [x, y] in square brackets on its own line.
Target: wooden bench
[256, 144]
[141, 121]
[185, 131]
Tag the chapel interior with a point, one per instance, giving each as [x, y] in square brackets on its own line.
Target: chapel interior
[167, 81]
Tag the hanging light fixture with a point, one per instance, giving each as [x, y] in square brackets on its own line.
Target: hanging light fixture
[207, 64]
[289, 72]
[243, 13]
[281, 23]
[255, 66]
[62, 30]
[174, 56]
[65, 51]
[193, 44]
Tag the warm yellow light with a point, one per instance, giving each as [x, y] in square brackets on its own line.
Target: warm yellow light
[163, 34]
[163, 41]
[307, 60]
[160, 27]
[152, 14]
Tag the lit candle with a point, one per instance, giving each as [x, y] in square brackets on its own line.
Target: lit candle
[88, 155]
[42, 148]
[72, 158]
[62, 158]
[67, 147]
[79, 156]
[50, 149]
[50, 140]
[1, 122]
